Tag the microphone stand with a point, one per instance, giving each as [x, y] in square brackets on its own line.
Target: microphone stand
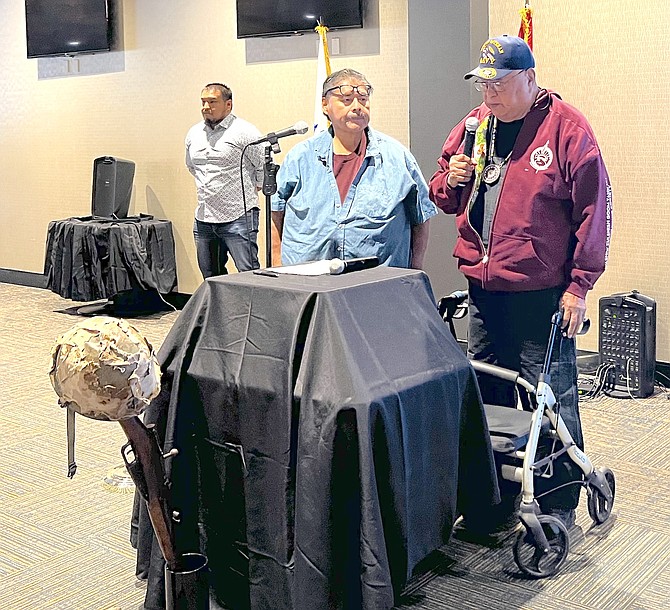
[269, 188]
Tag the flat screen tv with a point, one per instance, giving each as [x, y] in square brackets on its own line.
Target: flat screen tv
[283, 17]
[67, 27]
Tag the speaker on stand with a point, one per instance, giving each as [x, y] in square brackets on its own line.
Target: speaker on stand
[110, 199]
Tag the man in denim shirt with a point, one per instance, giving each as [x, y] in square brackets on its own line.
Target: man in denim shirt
[351, 191]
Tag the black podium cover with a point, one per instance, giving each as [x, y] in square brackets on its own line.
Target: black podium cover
[328, 429]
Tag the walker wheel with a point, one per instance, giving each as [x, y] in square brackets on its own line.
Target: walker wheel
[532, 560]
[599, 508]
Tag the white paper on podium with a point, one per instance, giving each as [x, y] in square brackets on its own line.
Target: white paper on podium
[313, 268]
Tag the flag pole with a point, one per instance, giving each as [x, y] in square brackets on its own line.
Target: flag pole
[322, 72]
[321, 30]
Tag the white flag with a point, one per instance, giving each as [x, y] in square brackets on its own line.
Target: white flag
[322, 72]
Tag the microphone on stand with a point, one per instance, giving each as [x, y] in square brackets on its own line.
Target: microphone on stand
[471, 125]
[270, 176]
[337, 265]
[299, 128]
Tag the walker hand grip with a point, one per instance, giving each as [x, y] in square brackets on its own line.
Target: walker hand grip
[584, 328]
[495, 371]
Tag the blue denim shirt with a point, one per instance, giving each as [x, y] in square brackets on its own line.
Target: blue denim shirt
[388, 196]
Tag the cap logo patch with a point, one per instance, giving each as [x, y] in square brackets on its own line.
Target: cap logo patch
[487, 73]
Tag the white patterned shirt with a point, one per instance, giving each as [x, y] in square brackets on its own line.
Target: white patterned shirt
[213, 157]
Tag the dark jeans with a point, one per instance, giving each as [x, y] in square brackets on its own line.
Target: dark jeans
[214, 241]
[511, 329]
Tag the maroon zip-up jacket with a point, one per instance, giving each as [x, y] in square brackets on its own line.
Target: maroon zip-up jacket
[552, 224]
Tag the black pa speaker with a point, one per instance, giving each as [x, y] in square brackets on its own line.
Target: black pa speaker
[112, 187]
[627, 341]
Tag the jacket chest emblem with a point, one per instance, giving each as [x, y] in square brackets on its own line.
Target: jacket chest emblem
[541, 158]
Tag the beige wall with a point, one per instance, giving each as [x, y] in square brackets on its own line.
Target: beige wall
[52, 129]
[609, 58]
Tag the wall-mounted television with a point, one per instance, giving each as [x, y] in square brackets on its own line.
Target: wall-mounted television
[257, 18]
[68, 27]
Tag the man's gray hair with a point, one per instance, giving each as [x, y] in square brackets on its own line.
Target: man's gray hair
[341, 75]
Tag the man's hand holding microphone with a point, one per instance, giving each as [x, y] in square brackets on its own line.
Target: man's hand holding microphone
[461, 166]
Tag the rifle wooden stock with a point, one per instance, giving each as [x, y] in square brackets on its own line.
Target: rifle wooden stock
[148, 473]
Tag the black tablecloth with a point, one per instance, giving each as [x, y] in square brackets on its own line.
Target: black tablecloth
[328, 429]
[96, 258]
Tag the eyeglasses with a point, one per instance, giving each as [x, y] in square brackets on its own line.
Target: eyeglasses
[348, 92]
[496, 85]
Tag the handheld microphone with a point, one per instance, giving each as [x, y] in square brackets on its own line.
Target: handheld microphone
[471, 125]
[299, 128]
[337, 265]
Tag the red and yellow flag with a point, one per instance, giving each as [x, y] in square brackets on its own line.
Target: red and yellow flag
[526, 29]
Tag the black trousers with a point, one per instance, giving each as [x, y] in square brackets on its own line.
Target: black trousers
[511, 329]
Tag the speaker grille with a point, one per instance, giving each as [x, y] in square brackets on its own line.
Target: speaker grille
[627, 340]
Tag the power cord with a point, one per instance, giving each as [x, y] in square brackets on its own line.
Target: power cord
[661, 386]
[166, 302]
[603, 381]
[628, 388]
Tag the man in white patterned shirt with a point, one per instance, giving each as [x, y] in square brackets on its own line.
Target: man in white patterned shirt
[226, 218]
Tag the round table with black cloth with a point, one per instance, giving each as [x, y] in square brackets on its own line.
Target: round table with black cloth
[89, 258]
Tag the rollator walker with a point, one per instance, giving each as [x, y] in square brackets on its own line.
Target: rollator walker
[519, 439]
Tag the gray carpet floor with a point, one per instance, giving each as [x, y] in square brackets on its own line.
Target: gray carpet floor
[64, 543]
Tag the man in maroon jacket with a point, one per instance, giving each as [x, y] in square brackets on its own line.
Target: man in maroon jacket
[533, 211]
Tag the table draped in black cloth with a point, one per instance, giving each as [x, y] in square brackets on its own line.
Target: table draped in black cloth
[329, 431]
[92, 258]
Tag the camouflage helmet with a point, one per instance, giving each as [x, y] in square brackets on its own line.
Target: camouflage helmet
[105, 369]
